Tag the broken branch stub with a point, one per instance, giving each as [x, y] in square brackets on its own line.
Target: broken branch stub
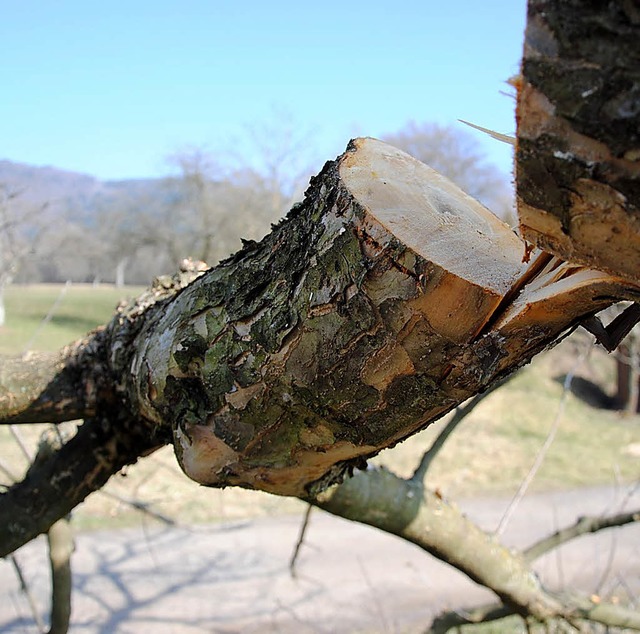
[383, 300]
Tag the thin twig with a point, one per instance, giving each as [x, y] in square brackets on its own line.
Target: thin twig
[632, 597]
[47, 318]
[24, 586]
[143, 507]
[377, 603]
[607, 568]
[629, 494]
[17, 436]
[296, 550]
[542, 454]
[583, 526]
[558, 553]
[459, 414]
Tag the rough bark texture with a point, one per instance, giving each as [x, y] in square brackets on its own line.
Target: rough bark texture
[383, 301]
[578, 151]
[92, 376]
[54, 486]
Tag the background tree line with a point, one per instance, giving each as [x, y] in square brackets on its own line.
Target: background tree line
[61, 226]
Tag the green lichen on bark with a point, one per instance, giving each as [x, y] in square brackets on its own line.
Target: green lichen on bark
[268, 350]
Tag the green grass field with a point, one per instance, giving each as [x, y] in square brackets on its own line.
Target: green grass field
[77, 309]
[489, 454]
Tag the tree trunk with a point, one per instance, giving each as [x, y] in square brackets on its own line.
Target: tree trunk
[578, 151]
[120, 269]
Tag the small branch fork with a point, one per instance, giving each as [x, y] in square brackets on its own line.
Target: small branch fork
[381, 499]
[409, 509]
[81, 382]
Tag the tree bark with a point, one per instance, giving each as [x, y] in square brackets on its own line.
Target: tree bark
[578, 150]
[382, 302]
[41, 388]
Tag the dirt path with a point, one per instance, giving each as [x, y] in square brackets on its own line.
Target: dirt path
[351, 578]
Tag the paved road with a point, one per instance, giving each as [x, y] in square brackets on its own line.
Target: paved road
[351, 578]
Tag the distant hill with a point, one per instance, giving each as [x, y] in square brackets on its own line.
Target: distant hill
[73, 226]
[45, 183]
[77, 195]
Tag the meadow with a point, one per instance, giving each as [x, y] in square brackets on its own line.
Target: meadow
[490, 453]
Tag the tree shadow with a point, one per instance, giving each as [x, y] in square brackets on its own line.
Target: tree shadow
[74, 322]
[161, 579]
[589, 392]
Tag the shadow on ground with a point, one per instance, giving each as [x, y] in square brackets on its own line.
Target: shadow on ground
[350, 578]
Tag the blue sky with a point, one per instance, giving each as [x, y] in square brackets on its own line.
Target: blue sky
[111, 88]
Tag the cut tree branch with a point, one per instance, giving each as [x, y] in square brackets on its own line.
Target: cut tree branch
[46, 388]
[383, 301]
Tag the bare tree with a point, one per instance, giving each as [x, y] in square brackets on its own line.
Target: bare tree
[21, 226]
[277, 159]
[221, 197]
[454, 152]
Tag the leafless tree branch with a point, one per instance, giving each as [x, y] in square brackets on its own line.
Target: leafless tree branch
[583, 526]
[542, 453]
[54, 485]
[300, 540]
